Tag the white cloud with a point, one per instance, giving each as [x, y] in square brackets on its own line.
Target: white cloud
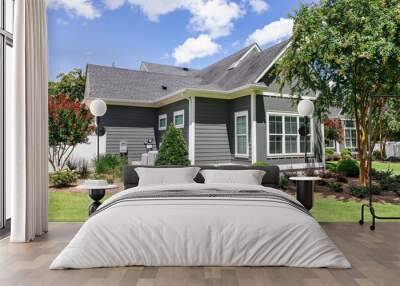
[259, 6]
[62, 22]
[273, 32]
[194, 48]
[214, 17]
[81, 8]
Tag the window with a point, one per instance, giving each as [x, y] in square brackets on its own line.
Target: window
[350, 134]
[6, 64]
[283, 137]
[162, 122]
[241, 134]
[179, 119]
[330, 144]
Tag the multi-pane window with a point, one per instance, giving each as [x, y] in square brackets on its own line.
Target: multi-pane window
[330, 144]
[283, 137]
[179, 118]
[241, 134]
[6, 64]
[162, 122]
[350, 134]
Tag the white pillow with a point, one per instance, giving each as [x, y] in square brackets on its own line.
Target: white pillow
[166, 176]
[247, 177]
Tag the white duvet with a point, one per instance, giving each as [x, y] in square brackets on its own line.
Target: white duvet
[200, 231]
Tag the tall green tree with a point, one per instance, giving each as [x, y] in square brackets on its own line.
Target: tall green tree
[348, 51]
[72, 84]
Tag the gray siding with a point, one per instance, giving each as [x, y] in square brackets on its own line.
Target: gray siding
[279, 104]
[237, 105]
[129, 116]
[169, 110]
[212, 144]
[135, 137]
[212, 140]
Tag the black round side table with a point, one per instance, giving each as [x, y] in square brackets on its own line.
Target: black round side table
[96, 193]
[305, 190]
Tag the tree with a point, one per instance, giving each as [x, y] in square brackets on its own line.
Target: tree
[173, 150]
[333, 130]
[347, 51]
[70, 123]
[72, 84]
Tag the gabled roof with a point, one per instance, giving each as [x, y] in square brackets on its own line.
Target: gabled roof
[166, 69]
[154, 81]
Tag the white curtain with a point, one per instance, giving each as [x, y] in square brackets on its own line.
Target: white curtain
[28, 123]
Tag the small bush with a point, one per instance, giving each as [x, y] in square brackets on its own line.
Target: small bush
[363, 192]
[261, 164]
[72, 164]
[348, 167]
[345, 154]
[331, 167]
[329, 153]
[82, 168]
[394, 159]
[111, 165]
[327, 174]
[377, 156]
[341, 179]
[283, 182]
[335, 187]
[61, 179]
[173, 150]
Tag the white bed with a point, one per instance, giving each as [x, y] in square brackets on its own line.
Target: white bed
[201, 231]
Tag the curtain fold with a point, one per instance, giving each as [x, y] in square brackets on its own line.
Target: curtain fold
[28, 123]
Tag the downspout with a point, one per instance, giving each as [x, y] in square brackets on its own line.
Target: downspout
[253, 111]
[192, 128]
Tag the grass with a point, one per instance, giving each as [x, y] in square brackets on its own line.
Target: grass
[73, 207]
[380, 166]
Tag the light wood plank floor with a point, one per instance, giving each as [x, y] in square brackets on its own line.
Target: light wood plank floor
[375, 257]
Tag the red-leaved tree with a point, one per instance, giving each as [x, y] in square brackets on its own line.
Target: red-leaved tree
[70, 123]
[333, 130]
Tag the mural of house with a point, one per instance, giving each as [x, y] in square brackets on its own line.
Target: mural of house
[231, 111]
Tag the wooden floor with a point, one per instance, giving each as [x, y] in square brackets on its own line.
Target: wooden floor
[375, 257]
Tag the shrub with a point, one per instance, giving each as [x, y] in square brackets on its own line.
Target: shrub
[394, 159]
[336, 157]
[331, 167]
[363, 192]
[348, 167]
[62, 178]
[377, 156]
[345, 154]
[111, 165]
[283, 182]
[72, 164]
[173, 150]
[335, 187]
[82, 168]
[261, 164]
[341, 179]
[329, 154]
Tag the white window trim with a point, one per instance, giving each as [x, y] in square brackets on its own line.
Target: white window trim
[284, 154]
[240, 114]
[162, 116]
[177, 113]
[349, 128]
[331, 147]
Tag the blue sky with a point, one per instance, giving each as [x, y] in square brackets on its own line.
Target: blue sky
[190, 33]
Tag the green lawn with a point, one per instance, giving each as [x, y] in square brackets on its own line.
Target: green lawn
[380, 166]
[73, 207]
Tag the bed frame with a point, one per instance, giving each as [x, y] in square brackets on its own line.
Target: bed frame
[270, 179]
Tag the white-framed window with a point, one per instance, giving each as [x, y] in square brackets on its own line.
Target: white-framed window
[283, 138]
[162, 122]
[179, 118]
[242, 134]
[330, 144]
[350, 134]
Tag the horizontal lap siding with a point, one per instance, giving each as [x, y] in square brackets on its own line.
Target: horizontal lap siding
[135, 137]
[169, 111]
[211, 135]
[212, 144]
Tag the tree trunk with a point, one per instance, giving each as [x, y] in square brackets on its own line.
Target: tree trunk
[362, 136]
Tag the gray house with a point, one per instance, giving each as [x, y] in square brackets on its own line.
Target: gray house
[229, 112]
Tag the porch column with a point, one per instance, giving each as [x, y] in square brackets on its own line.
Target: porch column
[192, 128]
[253, 128]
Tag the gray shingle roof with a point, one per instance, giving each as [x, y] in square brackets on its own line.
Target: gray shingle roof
[166, 69]
[125, 84]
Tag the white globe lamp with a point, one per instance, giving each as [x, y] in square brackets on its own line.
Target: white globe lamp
[98, 108]
[305, 107]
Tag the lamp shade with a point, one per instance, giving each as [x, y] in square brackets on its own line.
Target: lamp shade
[305, 107]
[98, 107]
